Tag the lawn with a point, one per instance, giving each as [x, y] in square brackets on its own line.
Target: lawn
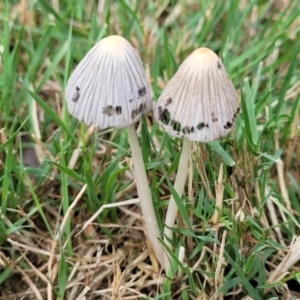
[71, 225]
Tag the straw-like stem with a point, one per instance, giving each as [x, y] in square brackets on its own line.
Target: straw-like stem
[144, 194]
[172, 208]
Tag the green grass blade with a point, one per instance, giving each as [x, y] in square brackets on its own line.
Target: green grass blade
[250, 289]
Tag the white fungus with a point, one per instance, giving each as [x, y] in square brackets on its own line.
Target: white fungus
[199, 102]
[109, 88]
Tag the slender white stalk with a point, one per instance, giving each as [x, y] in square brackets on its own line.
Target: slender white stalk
[144, 193]
[180, 258]
[172, 208]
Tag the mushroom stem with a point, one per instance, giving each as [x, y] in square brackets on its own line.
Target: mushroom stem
[172, 208]
[144, 194]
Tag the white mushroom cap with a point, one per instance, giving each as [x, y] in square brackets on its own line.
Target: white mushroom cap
[199, 102]
[109, 88]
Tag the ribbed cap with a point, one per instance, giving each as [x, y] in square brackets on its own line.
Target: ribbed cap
[199, 102]
[109, 88]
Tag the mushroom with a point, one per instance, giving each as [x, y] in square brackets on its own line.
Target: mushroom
[199, 103]
[109, 88]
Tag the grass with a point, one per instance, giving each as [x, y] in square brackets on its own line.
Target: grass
[48, 161]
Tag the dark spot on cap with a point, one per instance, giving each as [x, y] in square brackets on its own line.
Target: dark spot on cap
[214, 119]
[169, 101]
[76, 95]
[164, 116]
[141, 107]
[186, 129]
[118, 110]
[202, 125]
[176, 126]
[192, 129]
[142, 91]
[235, 115]
[109, 110]
[134, 113]
[237, 111]
[130, 100]
[228, 125]
[220, 65]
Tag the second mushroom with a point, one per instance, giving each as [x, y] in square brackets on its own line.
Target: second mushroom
[199, 104]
